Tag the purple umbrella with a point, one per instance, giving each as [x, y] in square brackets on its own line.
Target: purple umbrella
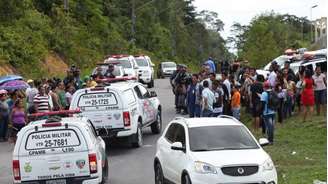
[14, 85]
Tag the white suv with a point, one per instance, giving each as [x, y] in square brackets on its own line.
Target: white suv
[60, 151]
[128, 63]
[146, 70]
[211, 150]
[121, 109]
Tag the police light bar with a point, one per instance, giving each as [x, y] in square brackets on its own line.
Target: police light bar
[118, 56]
[140, 55]
[52, 113]
[116, 79]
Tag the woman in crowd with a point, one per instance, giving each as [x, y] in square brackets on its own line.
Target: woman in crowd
[307, 95]
[320, 90]
[18, 116]
[4, 115]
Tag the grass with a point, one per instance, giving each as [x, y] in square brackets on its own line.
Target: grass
[300, 149]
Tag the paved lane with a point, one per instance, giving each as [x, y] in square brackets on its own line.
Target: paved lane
[135, 166]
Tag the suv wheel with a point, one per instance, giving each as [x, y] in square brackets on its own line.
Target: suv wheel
[151, 83]
[138, 139]
[156, 127]
[105, 172]
[159, 177]
[186, 179]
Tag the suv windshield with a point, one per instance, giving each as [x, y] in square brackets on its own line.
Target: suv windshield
[104, 68]
[141, 62]
[168, 65]
[210, 138]
[121, 62]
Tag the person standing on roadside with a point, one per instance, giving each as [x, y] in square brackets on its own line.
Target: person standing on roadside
[227, 91]
[273, 74]
[211, 64]
[268, 113]
[256, 90]
[320, 89]
[192, 101]
[208, 99]
[307, 96]
[60, 90]
[4, 115]
[41, 100]
[235, 102]
[18, 116]
[218, 93]
[30, 93]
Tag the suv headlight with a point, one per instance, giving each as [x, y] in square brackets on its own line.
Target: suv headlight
[268, 165]
[204, 168]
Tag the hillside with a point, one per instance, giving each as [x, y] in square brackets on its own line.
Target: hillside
[33, 32]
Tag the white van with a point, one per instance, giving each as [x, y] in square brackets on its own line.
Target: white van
[60, 151]
[120, 109]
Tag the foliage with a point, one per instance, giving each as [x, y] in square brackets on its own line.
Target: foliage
[84, 31]
[268, 35]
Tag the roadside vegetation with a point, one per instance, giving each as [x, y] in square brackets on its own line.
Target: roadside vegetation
[300, 149]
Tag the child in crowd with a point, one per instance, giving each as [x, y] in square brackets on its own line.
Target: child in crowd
[235, 102]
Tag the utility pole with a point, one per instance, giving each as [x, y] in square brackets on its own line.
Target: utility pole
[133, 19]
[311, 21]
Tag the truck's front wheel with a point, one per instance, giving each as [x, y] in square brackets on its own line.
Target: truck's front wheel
[138, 138]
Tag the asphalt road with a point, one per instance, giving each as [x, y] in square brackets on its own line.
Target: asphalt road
[126, 165]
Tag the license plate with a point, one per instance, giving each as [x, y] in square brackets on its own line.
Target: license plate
[56, 182]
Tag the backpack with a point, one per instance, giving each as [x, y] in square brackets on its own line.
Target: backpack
[218, 102]
[273, 100]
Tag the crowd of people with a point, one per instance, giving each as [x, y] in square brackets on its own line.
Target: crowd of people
[277, 96]
[205, 94]
[42, 96]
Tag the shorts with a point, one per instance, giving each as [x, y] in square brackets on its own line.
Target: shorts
[320, 96]
[257, 110]
[18, 127]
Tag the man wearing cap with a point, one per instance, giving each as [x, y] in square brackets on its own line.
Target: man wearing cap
[30, 93]
[268, 114]
[4, 115]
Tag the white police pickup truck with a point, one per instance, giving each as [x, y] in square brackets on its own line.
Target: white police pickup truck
[120, 109]
[60, 151]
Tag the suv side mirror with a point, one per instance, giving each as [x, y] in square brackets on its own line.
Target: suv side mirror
[152, 64]
[263, 142]
[153, 94]
[178, 146]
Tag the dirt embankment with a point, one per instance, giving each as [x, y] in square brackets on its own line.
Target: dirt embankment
[53, 66]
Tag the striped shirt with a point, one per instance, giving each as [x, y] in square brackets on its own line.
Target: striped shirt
[42, 103]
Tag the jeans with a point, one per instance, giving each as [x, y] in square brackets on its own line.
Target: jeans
[197, 110]
[207, 113]
[236, 113]
[288, 107]
[269, 125]
[4, 126]
[216, 114]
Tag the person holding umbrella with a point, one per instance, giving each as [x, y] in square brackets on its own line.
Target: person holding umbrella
[4, 115]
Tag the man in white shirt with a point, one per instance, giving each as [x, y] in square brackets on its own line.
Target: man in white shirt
[208, 99]
[227, 90]
[273, 75]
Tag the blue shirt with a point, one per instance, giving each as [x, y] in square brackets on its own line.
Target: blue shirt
[212, 65]
[265, 98]
[191, 94]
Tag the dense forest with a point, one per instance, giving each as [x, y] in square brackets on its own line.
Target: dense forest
[84, 31]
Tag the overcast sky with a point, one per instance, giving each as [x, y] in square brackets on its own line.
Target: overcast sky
[242, 11]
